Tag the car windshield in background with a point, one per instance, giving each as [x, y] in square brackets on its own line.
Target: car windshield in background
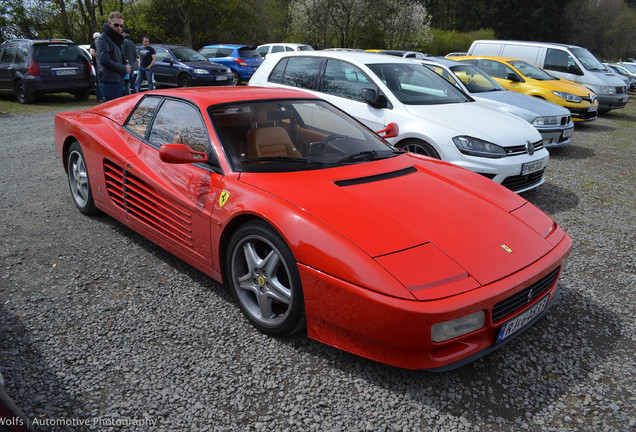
[413, 84]
[475, 80]
[56, 53]
[590, 62]
[532, 71]
[293, 135]
[187, 55]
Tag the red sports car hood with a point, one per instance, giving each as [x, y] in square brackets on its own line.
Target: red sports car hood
[392, 205]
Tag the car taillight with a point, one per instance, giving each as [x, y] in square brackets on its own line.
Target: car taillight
[34, 69]
[90, 67]
[241, 62]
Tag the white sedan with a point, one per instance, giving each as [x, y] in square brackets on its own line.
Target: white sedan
[434, 117]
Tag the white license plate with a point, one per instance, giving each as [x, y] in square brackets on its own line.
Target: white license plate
[568, 132]
[65, 72]
[593, 108]
[221, 78]
[531, 167]
[512, 326]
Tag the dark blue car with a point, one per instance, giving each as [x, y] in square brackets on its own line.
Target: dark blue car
[184, 67]
[242, 59]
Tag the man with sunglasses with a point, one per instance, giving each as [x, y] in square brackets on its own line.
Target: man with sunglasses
[111, 63]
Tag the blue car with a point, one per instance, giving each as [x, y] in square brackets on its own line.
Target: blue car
[183, 67]
[242, 59]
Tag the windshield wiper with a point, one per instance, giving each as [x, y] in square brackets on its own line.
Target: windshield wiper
[281, 159]
[369, 155]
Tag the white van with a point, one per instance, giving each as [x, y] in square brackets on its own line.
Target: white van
[563, 61]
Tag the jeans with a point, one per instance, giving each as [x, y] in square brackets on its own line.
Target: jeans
[144, 74]
[112, 90]
[130, 86]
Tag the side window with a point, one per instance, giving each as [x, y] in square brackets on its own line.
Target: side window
[345, 80]
[163, 55]
[495, 69]
[288, 48]
[208, 52]
[21, 55]
[140, 118]
[262, 50]
[180, 123]
[279, 72]
[301, 72]
[559, 60]
[224, 52]
[8, 56]
[277, 48]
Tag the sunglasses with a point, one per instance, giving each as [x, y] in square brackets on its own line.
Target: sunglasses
[117, 25]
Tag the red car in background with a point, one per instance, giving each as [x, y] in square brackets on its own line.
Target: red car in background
[315, 222]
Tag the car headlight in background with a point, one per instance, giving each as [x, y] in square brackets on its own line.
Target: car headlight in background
[608, 90]
[446, 330]
[228, 70]
[568, 96]
[477, 147]
[545, 121]
[201, 72]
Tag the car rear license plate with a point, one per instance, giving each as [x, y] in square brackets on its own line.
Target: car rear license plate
[221, 78]
[568, 133]
[65, 72]
[531, 167]
[512, 326]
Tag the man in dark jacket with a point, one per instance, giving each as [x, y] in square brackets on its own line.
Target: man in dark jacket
[111, 64]
[130, 52]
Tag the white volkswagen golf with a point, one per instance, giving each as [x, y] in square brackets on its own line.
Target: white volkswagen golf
[434, 117]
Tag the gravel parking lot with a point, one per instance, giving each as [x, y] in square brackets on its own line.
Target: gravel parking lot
[101, 330]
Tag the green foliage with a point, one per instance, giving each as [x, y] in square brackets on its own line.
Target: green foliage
[445, 41]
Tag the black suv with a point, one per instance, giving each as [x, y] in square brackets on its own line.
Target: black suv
[31, 67]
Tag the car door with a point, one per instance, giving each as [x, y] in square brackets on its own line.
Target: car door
[172, 203]
[7, 63]
[164, 70]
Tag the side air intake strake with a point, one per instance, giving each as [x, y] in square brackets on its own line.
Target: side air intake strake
[377, 177]
[140, 201]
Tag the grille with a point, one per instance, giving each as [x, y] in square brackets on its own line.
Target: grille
[620, 90]
[139, 200]
[519, 182]
[521, 149]
[516, 302]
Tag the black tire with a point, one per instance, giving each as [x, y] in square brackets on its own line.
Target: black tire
[263, 276]
[82, 94]
[78, 180]
[419, 147]
[184, 80]
[23, 95]
[236, 78]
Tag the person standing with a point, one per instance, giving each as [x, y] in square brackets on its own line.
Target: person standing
[111, 63]
[93, 51]
[130, 52]
[147, 59]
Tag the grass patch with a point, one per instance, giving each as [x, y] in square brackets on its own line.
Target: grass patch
[9, 105]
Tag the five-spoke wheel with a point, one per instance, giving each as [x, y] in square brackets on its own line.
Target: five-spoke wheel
[78, 180]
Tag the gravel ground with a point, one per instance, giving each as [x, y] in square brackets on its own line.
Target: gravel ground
[101, 330]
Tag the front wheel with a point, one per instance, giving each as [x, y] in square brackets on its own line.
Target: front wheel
[419, 147]
[185, 81]
[263, 275]
[78, 180]
[236, 78]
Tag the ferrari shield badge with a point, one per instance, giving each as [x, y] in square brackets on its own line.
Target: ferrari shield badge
[506, 248]
[223, 198]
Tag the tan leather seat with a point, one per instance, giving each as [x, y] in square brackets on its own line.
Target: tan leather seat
[270, 142]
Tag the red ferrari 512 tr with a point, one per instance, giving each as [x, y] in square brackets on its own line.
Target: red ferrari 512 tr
[317, 223]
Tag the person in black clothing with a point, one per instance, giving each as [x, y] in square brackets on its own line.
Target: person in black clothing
[111, 64]
[147, 58]
[93, 51]
[130, 52]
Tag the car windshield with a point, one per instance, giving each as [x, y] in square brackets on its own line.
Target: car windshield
[187, 55]
[475, 80]
[588, 60]
[630, 68]
[293, 135]
[247, 52]
[531, 71]
[413, 84]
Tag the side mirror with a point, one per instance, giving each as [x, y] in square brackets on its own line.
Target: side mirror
[391, 131]
[574, 69]
[181, 153]
[513, 77]
[371, 97]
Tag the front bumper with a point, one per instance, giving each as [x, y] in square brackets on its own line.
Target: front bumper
[212, 80]
[610, 102]
[556, 137]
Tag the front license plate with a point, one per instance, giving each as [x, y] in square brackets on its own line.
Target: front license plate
[221, 78]
[568, 133]
[515, 324]
[531, 167]
[65, 72]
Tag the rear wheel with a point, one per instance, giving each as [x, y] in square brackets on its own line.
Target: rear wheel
[23, 95]
[184, 80]
[78, 180]
[82, 94]
[419, 147]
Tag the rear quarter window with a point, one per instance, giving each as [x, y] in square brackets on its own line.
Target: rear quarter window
[141, 116]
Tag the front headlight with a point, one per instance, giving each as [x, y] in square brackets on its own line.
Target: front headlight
[568, 96]
[608, 90]
[446, 330]
[201, 72]
[545, 121]
[228, 70]
[476, 147]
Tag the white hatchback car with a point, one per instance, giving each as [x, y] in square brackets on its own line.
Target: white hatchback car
[434, 117]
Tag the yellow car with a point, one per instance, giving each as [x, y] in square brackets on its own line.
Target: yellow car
[526, 78]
